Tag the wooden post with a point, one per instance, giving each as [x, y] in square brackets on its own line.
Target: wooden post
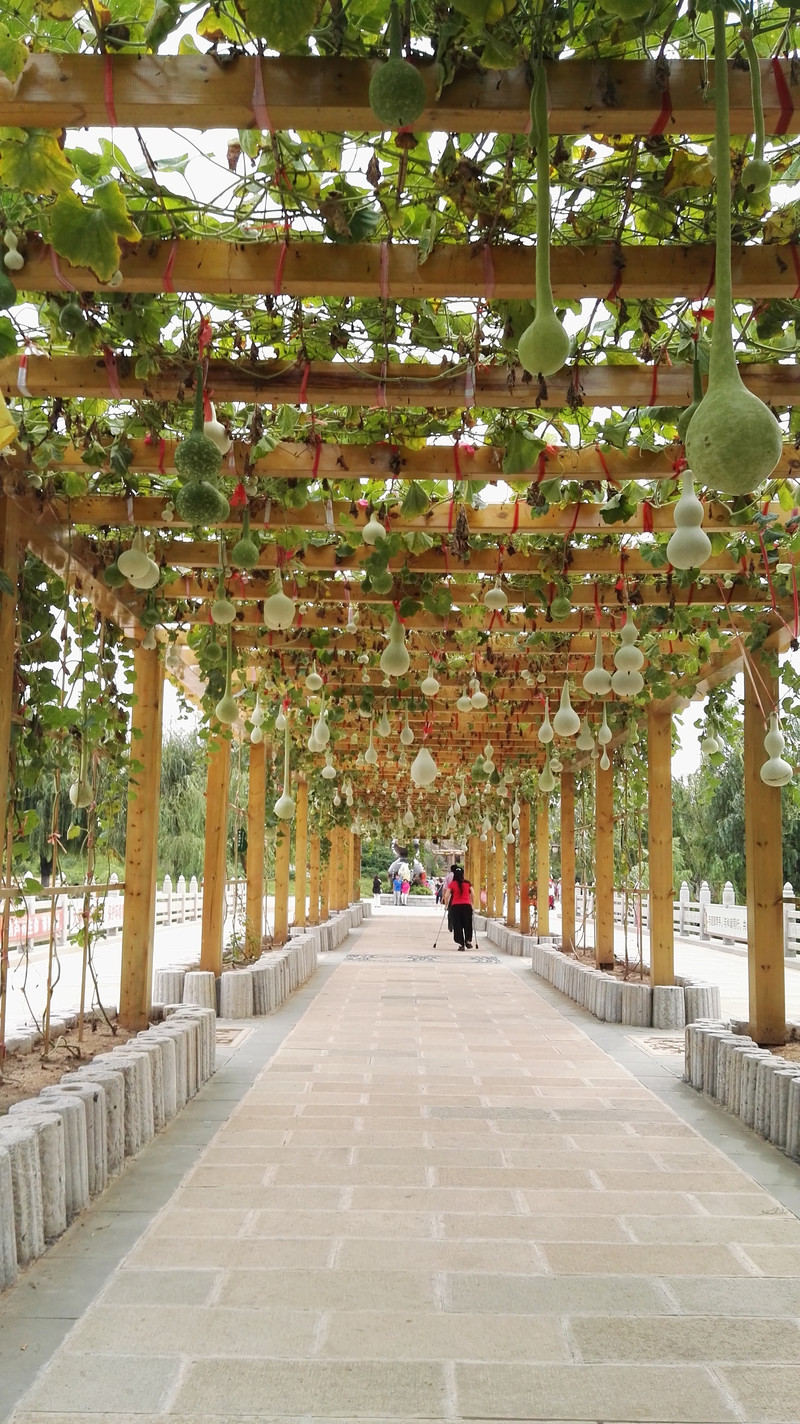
[9, 562]
[490, 876]
[313, 881]
[256, 813]
[511, 884]
[499, 847]
[356, 870]
[568, 859]
[543, 866]
[333, 870]
[604, 866]
[342, 865]
[525, 867]
[300, 851]
[763, 840]
[349, 866]
[141, 843]
[215, 859]
[659, 844]
[283, 842]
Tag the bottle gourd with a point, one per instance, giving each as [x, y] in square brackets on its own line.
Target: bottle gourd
[544, 345]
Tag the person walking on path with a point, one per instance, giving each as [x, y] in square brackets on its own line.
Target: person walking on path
[404, 889]
[376, 888]
[397, 886]
[459, 903]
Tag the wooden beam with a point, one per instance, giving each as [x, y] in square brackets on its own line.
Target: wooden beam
[383, 460]
[659, 843]
[313, 880]
[53, 540]
[141, 843]
[215, 858]
[256, 814]
[600, 96]
[567, 780]
[398, 385]
[763, 835]
[604, 866]
[301, 852]
[311, 268]
[525, 868]
[543, 865]
[283, 839]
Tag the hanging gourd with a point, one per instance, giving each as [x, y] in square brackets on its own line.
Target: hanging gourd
[424, 770]
[429, 686]
[278, 610]
[709, 746]
[373, 532]
[408, 818]
[406, 735]
[197, 457]
[697, 396]
[384, 727]
[488, 759]
[222, 611]
[135, 563]
[597, 681]
[394, 658]
[544, 345]
[757, 172]
[495, 597]
[314, 681]
[464, 702]
[215, 431]
[328, 771]
[604, 732]
[245, 552]
[396, 90]
[566, 722]
[546, 779]
[81, 793]
[556, 765]
[13, 259]
[627, 681]
[284, 806]
[257, 714]
[280, 720]
[585, 741]
[775, 771]
[370, 755]
[322, 733]
[689, 546]
[226, 709]
[478, 699]
[560, 607]
[605, 761]
[733, 442]
[545, 732]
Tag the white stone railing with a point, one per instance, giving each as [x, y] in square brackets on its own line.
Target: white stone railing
[700, 919]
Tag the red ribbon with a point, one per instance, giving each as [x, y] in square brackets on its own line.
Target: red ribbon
[647, 517]
[597, 604]
[384, 271]
[60, 278]
[301, 397]
[451, 514]
[277, 285]
[515, 523]
[488, 271]
[166, 280]
[110, 362]
[664, 114]
[317, 453]
[206, 405]
[784, 98]
[259, 100]
[238, 499]
[108, 90]
[205, 336]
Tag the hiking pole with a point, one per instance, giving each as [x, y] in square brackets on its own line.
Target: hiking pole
[441, 927]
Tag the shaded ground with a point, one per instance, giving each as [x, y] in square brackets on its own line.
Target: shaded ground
[25, 1074]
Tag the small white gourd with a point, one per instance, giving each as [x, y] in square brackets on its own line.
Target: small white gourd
[394, 658]
[429, 686]
[215, 431]
[256, 736]
[370, 755]
[373, 532]
[278, 609]
[284, 806]
[257, 715]
[495, 597]
[464, 703]
[407, 735]
[775, 771]
[597, 681]
[479, 699]
[585, 740]
[135, 561]
[222, 610]
[566, 722]
[628, 658]
[604, 761]
[314, 681]
[13, 260]
[689, 546]
[709, 745]
[423, 768]
[408, 818]
[545, 733]
[384, 727]
[280, 720]
[328, 771]
[547, 781]
[604, 732]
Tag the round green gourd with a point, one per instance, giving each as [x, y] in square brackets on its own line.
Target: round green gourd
[113, 577]
[245, 552]
[197, 457]
[382, 581]
[213, 654]
[561, 607]
[544, 345]
[71, 318]
[149, 615]
[697, 396]
[734, 441]
[397, 89]
[757, 176]
[8, 292]
[626, 9]
[757, 172]
[199, 503]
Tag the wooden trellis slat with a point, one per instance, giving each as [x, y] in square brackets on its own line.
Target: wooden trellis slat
[191, 91]
[395, 385]
[117, 512]
[318, 269]
[328, 460]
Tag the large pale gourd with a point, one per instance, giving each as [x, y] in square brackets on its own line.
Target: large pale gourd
[424, 770]
[544, 345]
[226, 709]
[284, 806]
[222, 611]
[429, 685]
[495, 597]
[370, 755]
[597, 681]
[689, 546]
[135, 562]
[566, 722]
[775, 771]
[314, 681]
[407, 734]
[464, 703]
[545, 733]
[397, 90]
[547, 780]
[373, 531]
[733, 442]
[627, 681]
[384, 727]
[394, 658]
[278, 609]
[585, 741]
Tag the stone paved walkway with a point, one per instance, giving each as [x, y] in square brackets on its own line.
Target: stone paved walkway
[442, 1201]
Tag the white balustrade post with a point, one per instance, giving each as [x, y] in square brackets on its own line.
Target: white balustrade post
[789, 949]
[705, 901]
[167, 899]
[181, 889]
[728, 901]
[194, 896]
[684, 899]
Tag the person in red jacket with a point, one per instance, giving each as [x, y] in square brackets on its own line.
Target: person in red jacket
[458, 897]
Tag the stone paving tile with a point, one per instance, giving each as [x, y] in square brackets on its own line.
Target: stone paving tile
[675, 1339]
[333, 1388]
[338, 1289]
[117, 1382]
[635, 1260]
[291, 1252]
[783, 1260]
[377, 1335]
[604, 1392]
[554, 1295]
[771, 1394]
[113, 1330]
[162, 1287]
[741, 1295]
[779, 1231]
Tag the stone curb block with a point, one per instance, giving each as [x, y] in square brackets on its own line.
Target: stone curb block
[760, 1088]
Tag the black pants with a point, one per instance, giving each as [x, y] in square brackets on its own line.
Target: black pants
[461, 923]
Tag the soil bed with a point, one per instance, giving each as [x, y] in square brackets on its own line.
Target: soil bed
[25, 1074]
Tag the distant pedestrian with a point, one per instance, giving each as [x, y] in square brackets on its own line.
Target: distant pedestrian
[459, 901]
[397, 886]
[404, 889]
[377, 886]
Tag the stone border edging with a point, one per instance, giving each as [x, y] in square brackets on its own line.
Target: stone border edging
[607, 998]
[753, 1084]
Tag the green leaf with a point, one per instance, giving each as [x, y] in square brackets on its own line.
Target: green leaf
[282, 23]
[522, 451]
[31, 160]
[88, 235]
[13, 55]
[408, 607]
[8, 337]
[74, 831]
[416, 500]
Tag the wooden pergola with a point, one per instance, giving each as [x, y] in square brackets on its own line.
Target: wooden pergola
[581, 516]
